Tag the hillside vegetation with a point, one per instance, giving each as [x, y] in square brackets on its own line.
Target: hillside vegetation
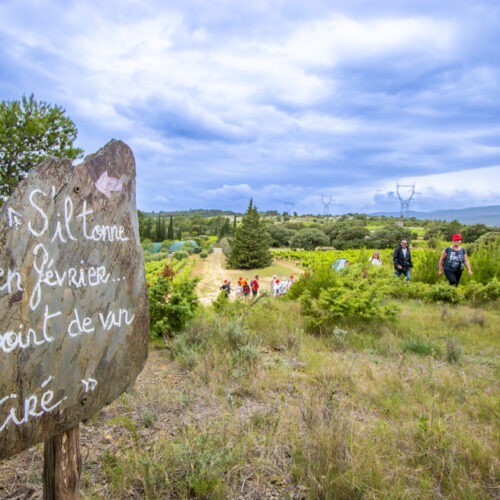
[353, 385]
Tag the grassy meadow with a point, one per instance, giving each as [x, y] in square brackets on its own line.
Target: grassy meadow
[246, 403]
[310, 396]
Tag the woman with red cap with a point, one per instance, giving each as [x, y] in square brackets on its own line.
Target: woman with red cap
[453, 260]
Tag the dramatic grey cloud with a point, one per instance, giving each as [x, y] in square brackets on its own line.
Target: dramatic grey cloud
[281, 101]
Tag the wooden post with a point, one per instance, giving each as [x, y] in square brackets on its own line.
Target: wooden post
[62, 466]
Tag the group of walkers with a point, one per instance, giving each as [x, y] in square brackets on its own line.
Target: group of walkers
[243, 288]
[280, 287]
[452, 262]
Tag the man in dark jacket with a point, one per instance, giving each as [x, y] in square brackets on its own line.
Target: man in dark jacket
[402, 260]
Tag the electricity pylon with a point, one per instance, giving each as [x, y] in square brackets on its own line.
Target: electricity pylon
[327, 201]
[405, 198]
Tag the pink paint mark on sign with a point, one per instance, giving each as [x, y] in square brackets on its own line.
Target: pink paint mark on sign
[107, 184]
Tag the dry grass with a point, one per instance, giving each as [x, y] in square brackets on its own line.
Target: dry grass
[246, 404]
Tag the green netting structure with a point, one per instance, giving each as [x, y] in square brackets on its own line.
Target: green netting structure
[177, 245]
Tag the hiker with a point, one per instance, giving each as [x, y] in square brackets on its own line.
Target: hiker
[277, 288]
[246, 289]
[273, 281]
[375, 258]
[227, 288]
[402, 260]
[254, 285]
[291, 280]
[284, 286]
[453, 259]
[238, 290]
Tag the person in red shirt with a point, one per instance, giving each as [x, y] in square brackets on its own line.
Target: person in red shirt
[246, 289]
[254, 284]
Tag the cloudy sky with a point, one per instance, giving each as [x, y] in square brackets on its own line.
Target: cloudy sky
[279, 101]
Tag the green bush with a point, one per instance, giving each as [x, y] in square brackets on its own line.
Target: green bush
[189, 248]
[203, 254]
[361, 302]
[172, 304]
[313, 281]
[180, 254]
[426, 267]
[443, 292]
[485, 260]
[477, 293]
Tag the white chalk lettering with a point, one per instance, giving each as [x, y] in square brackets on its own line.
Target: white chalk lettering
[42, 214]
[14, 218]
[12, 275]
[29, 406]
[113, 319]
[100, 232]
[83, 214]
[46, 317]
[23, 339]
[90, 384]
[68, 213]
[73, 277]
[84, 326]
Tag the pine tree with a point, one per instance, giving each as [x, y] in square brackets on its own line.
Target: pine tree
[179, 234]
[234, 225]
[170, 231]
[251, 243]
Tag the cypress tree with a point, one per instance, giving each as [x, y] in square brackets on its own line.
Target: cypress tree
[251, 243]
[170, 232]
[225, 229]
[161, 228]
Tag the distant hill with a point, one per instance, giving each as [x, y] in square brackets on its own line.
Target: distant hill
[489, 215]
[197, 212]
[205, 213]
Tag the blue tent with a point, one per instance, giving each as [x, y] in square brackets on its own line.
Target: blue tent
[156, 247]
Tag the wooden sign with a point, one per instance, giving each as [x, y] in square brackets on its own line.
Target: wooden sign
[74, 314]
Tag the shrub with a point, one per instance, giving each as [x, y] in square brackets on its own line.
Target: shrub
[180, 254]
[309, 239]
[443, 292]
[203, 254]
[313, 281]
[484, 260]
[171, 305]
[189, 248]
[361, 302]
[426, 267]
[477, 293]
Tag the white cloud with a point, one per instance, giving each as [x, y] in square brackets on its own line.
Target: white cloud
[343, 39]
[229, 101]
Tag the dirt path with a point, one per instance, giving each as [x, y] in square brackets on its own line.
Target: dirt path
[213, 272]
